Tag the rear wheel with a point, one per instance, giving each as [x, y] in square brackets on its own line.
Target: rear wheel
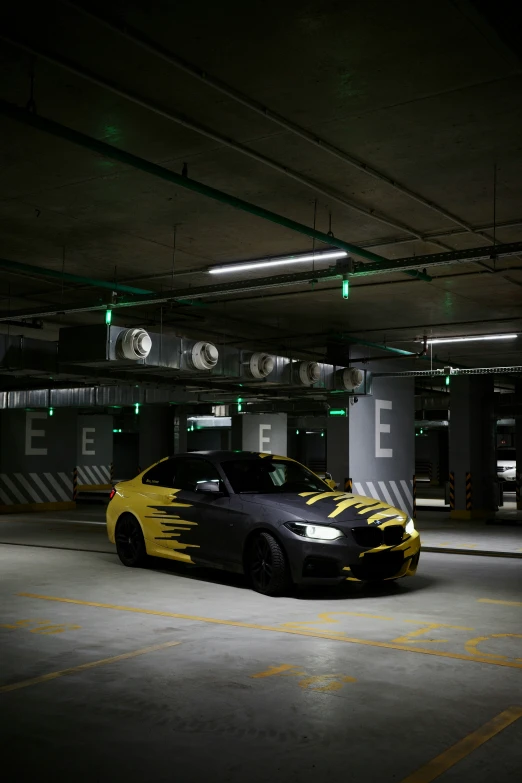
[267, 566]
[130, 543]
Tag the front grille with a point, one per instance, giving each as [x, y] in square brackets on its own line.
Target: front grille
[393, 534]
[368, 537]
[379, 565]
[320, 568]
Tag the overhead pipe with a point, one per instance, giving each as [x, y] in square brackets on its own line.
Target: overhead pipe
[138, 38]
[40, 271]
[181, 119]
[398, 353]
[108, 151]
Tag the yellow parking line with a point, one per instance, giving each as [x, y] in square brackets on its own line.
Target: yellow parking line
[74, 669]
[464, 747]
[493, 601]
[275, 629]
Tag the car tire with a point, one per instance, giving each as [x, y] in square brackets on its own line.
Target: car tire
[267, 566]
[130, 544]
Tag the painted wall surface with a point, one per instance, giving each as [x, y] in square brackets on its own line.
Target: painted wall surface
[94, 450]
[382, 442]
[156, 431]
[263, 432]
[37, 456]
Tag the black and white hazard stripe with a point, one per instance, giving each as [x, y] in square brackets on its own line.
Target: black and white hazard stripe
[397, 493]
[94, 474]
[22, 488]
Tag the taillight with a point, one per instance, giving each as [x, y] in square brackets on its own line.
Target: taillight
[112, 493]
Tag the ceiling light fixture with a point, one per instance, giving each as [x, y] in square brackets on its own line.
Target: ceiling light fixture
[472, 339]
[324, 255]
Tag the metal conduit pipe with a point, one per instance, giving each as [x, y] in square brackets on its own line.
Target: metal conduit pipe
[39, 271]
[107, 150]
[138, 38]
[180, 119]
[398, 353]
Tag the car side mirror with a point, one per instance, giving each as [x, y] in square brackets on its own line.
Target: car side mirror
[328, 476]
[209, 487]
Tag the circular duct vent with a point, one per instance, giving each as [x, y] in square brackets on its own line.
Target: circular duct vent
[133, 344]
[204, 356]
[352, 378]
[309, 373]
[261, 364]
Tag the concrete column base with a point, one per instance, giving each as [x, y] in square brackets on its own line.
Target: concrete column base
[476, 513]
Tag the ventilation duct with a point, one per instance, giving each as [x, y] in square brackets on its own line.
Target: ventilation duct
[351, 378]
[309, 373]
[261, 365]
[133, 344]
[204, 356]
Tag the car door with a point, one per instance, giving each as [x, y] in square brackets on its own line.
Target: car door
[218, 528]
[167, 530]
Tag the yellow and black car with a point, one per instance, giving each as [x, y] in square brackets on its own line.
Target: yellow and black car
[266, 516]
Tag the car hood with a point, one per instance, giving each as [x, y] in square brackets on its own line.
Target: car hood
[327, 508]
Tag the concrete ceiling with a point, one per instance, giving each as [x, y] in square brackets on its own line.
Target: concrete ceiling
[429, 94]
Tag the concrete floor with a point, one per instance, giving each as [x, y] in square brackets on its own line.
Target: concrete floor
[358, 683]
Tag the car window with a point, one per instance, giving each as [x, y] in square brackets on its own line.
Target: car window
[191, 472]
[161, 475]
[269, 475]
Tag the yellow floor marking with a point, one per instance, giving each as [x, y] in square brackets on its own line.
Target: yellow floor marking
[464, 747]
[471, 645]
[325, 682]
[429, 626]
[493, 601]
[283, 669]
[75, 669]
[275, 629]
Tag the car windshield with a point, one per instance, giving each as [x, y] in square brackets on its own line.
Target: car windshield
[266, 475]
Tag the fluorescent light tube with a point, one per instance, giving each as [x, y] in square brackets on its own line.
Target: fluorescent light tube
[325, 255]
[472, 339]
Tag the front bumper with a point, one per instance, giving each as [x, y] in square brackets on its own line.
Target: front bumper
[332, 562]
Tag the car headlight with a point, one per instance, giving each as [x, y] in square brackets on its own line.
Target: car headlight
[320, 532]
[410, 527]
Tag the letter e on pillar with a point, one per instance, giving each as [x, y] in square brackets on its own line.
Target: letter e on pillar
[381, 428]
[264, 438]
[86, 441]
[30, 433]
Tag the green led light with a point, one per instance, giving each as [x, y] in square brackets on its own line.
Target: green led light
[51, 411]
[297, 432]
[322, 434]
[116, 430]
[421, 431]
[337, 412]
[108, 316]
[346, 289]
[136, 408]
[447, 380]
[239, 406]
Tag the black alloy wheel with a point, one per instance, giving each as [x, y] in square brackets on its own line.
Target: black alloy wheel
[267, 566]
[130, 544]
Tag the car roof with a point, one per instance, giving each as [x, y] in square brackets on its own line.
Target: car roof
[225, 456]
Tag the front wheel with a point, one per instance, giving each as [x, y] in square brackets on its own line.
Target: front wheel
[267, 566]
[130, 544]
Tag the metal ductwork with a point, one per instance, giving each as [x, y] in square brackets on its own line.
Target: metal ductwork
[309, 373]
[204, 356]
[261, 365]
[133, 344]
[351, 378]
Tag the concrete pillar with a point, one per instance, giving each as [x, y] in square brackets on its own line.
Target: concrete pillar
[156, 432]
[265, 432]
[382, 442]
[94, 450]
[180, 430]
[338, 449]
[37, 459]
[472, 447]
[518, 442]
